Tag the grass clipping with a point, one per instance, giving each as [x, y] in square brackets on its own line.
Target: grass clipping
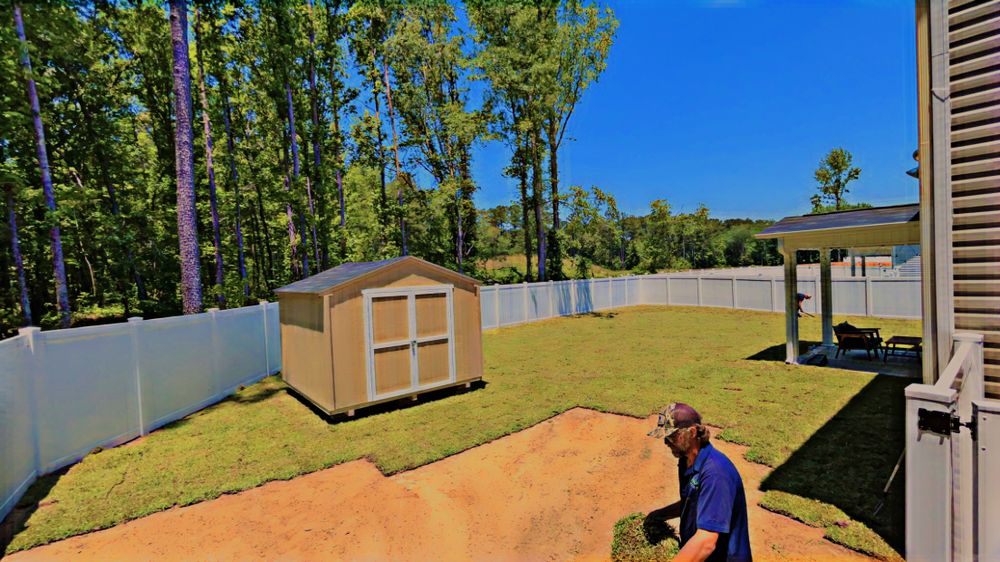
[838, 527]
[638, 538]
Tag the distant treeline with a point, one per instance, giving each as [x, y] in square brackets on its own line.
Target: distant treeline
[596, 232]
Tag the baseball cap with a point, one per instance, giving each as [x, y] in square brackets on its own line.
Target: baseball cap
[674, 417]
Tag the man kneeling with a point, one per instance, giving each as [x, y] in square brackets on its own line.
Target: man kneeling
[713, 506]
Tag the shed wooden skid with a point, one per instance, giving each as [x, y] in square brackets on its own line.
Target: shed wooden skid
[365, 333]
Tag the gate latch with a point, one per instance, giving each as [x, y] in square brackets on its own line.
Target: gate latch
[943, 423]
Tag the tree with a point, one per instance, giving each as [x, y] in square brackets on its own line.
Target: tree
[220, 279]
[187, 219]
[582, 40]
[58, 265]
[834, 174]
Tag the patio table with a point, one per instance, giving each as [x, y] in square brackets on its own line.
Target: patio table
[893, 346]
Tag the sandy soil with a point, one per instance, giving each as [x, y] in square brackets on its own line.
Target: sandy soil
[551, 492]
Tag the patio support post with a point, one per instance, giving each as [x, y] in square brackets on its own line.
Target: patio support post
[791, 305]
[826, 295]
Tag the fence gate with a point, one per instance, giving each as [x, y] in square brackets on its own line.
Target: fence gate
[409, 339]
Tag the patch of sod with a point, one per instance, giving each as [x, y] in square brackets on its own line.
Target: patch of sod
[837, 526]
[637, 539]
[630, 361]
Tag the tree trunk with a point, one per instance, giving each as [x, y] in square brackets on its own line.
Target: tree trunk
[522, 169]
[317, 176]
[395, 148]
[187, 219]
[231, 152]
[554, 248]
[220, 280]
[331, 18]
[537, 187]
[15, 248]
[58, 265]
[384, 201]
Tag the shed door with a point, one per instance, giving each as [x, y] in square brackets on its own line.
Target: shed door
[409, 339]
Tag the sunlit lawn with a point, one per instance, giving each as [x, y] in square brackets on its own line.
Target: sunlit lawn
[630, 361]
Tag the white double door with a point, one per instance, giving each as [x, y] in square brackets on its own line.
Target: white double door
[410, 339]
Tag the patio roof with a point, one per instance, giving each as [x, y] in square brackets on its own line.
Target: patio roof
[859, 228]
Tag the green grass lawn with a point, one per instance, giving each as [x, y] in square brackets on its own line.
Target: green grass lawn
[629, 361]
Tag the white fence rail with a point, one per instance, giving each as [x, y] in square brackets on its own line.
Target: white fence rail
[65, 392]
[509, 305]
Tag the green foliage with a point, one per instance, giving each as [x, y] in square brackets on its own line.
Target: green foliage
[833, 175]
[634, 541]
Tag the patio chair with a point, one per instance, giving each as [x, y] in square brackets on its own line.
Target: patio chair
[851, 337]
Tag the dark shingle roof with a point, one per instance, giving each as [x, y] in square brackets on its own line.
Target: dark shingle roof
[336, 276]
[875, 216]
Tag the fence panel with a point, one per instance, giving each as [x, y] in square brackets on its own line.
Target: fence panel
[849, 296]
[585, 296]
[600, 290]
[619, 291]
[717, 292]
[654, 289]
[512, 307]
[17, 441]
[754, 294]
[240, 357]
[562, 292]
[273, 333]
[488, 306]
[894, 298]
[684, 290]
[175, 384]
[987, 415]
[538, 301]
[85, 391]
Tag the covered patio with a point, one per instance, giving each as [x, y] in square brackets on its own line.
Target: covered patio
[855, 230]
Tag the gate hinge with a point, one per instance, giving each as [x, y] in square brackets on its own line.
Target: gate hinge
[943, 423]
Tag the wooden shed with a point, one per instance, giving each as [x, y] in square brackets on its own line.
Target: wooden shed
[367, 332]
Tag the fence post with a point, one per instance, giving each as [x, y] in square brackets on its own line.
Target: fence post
[34, 346]
[216, 375]
[267, 351]
[774, 301]
[668, 290]
[868, 296]
[611, 293]
[133, 328]
[524, 295]
[572, 297]
[699, 290]
[496, 303]
[551, 299]
[734, 293]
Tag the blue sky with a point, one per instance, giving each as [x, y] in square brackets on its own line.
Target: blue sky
[732, 104]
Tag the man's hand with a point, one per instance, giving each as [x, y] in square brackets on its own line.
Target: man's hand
[671, 511]
[699, 548]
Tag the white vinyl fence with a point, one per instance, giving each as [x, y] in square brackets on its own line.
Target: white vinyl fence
[508, 305]
[65, 392]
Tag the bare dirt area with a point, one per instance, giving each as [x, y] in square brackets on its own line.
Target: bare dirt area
[550, 492]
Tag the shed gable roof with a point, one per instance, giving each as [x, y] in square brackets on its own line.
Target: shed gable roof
[345, 273]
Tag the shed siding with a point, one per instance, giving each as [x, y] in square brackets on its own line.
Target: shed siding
[305, 350]
[974, 81]
[348, 337]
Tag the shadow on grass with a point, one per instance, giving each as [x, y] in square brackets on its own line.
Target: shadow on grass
[32, 501]
[847, 462]
[385, 407]
[777, 352]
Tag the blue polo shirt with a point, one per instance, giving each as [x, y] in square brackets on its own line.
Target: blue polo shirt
[713, 500]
